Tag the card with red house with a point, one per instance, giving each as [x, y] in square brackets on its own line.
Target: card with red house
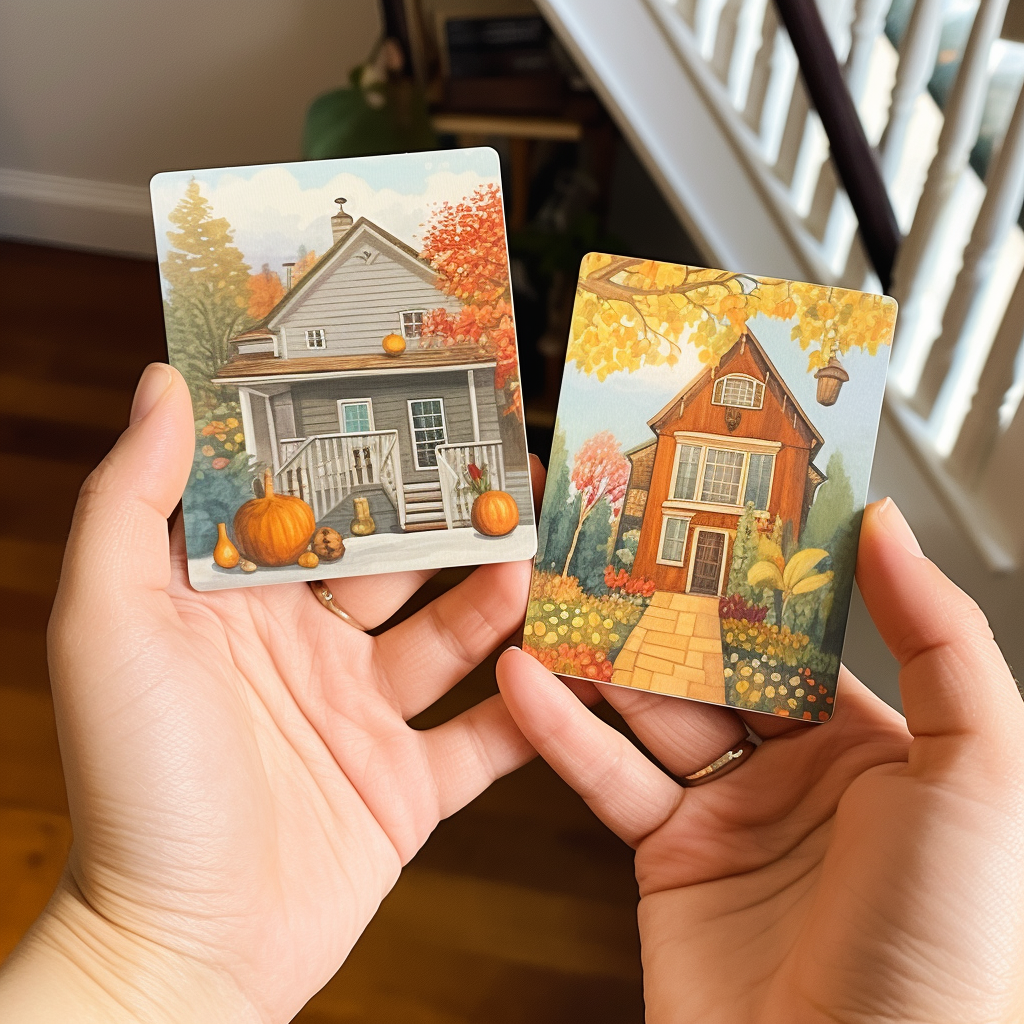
[710, 465]
[347, 334]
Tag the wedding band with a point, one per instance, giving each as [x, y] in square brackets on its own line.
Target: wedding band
[728, 762]
[326, 598]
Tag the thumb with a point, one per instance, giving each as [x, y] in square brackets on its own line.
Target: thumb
[953, 678]
[118, 542]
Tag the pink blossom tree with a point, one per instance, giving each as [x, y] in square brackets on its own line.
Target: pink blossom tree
[600, 470]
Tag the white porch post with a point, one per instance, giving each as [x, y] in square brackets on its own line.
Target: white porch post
[473, 413]
[247, 429]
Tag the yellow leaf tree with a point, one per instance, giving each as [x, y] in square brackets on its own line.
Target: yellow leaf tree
[631, 312]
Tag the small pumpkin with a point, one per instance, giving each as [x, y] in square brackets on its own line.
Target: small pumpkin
[393, 344]
[495, 513]
[225, 554]
[275, 529]
[308, 560]
[327, 544]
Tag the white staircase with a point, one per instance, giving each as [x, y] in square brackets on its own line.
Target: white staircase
[708, 93]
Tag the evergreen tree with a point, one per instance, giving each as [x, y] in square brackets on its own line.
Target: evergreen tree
[208, 294]
[832, 509]
[744, 555]
[833, 524]
[593, 549]
[560, 519]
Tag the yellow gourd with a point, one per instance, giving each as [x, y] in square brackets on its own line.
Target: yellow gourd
[225, 554]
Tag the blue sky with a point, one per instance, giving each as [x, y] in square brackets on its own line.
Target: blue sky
[275, 208]
[624, 402]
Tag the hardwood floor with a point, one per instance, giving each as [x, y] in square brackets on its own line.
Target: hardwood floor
[521, 908]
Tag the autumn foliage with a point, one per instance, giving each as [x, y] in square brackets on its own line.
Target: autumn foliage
[632, 312]
[600, 470]
[629, 585]
[303, 266]
[465, 244]
[265, 292]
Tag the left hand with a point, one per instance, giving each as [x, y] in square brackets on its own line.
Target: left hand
[243, 784]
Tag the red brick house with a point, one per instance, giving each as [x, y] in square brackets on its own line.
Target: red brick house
[733, 435]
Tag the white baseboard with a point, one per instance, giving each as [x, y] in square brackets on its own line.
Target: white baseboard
[76, 212]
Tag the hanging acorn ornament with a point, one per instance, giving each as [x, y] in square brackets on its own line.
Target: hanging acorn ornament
[831, 377]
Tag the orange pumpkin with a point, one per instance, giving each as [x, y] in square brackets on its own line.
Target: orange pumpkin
[393, 344]
[495, 513]
[274, 529]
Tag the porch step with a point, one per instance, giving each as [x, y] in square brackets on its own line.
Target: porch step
[418, 527]
[418, 488]
[414, 515]
[425, 506]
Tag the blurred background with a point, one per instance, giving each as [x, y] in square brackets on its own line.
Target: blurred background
[875, 144]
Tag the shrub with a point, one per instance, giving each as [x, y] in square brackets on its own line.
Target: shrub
[735, 606]
[642, 586]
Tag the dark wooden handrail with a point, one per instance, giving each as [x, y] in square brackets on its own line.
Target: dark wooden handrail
[854, 158]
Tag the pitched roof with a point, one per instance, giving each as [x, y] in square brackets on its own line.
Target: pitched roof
[773, 380]
[262, 328]
[414, 359]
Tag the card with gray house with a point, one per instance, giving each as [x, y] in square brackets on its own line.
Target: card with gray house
[356, 397]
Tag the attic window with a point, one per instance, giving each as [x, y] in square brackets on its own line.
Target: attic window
[738, 390]
[412, 324]
[367, 255]
[316, 338]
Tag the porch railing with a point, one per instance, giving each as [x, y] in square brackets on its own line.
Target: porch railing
[327, 467]
[453, 462]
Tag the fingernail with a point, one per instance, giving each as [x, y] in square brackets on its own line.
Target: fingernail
[898, 528]
[155, 380]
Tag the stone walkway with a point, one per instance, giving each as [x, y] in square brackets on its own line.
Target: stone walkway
[675, 648]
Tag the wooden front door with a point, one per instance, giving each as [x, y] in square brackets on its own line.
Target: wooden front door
[708, 553]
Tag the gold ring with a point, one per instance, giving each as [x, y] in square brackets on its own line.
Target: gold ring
[728, 762]
[326, 598]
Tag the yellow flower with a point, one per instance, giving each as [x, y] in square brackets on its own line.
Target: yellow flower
[769, 692]
[208, 451]
[608, 623]
[576, 637]
[239, 438]
[539, 628]
[745, 671]
[594, 619]
[742, 686]
[228, 446]
[595, 638]
[553, 620]
[231, 422]
[578, 621]
[563, 629]
[614, 637]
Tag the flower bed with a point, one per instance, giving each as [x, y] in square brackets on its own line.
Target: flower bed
[575, 633]
[777, 671]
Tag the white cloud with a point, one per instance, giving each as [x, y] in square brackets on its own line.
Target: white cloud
[272, 214]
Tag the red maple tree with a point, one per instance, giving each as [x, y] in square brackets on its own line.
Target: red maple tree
[600, 470]
[465, 244]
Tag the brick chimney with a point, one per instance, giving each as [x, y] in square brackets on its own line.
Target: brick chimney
[341, 221]
[287, 276]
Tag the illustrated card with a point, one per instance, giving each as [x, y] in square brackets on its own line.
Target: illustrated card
[347, 334]
[710, 466]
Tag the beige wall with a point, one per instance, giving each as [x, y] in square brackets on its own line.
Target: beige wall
[95, 98]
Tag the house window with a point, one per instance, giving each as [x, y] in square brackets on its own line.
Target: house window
[412, 324]
[687, 468]
[356, 417]
[723, 471]
[673, 539]
[738, 390]
[316, 338]
[719, 476]
[428, 431]
[759, 481]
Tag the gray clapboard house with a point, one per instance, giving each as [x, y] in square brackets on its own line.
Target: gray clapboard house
[333, 414]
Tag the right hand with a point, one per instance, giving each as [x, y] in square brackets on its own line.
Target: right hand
[865, 871]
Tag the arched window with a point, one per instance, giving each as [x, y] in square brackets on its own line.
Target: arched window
[739, 390]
